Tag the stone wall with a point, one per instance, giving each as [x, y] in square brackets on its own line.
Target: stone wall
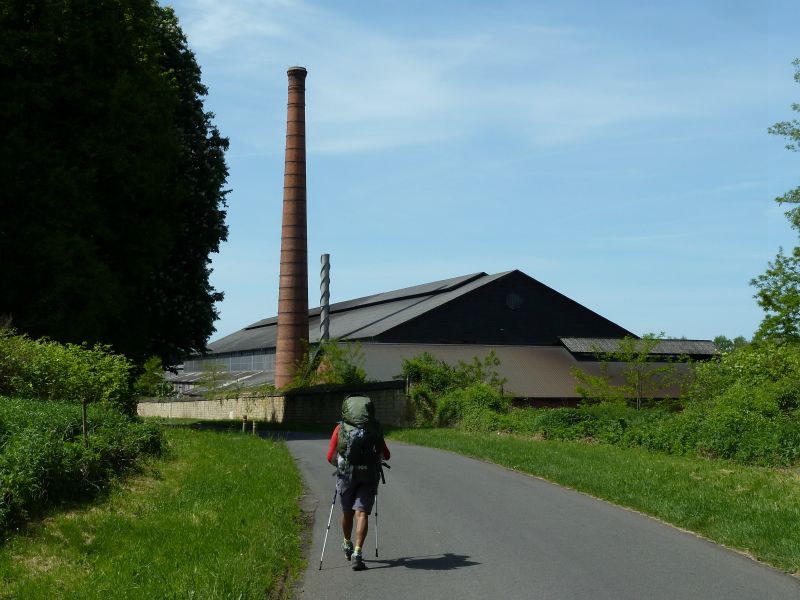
[320, 404]
[260, 408]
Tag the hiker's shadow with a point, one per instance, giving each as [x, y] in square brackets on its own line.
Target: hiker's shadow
[433, 562]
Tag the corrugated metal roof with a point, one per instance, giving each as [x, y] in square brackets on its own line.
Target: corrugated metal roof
[247, 379]
[665, 347]
[419, 306]
[425, 289]
[362, 318]
[246, 339]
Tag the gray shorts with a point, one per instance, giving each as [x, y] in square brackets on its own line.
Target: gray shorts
[356, 496]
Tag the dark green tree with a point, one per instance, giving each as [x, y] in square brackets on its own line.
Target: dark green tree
[113, 175]
[779, 287]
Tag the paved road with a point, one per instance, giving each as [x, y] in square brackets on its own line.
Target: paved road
[453, 527]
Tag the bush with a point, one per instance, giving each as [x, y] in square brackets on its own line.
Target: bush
[744, 406]
[46, 370]
[483, 419]
[562, 423]
[151, 383]
[331, 362]
[434, 381]
[749, 423]
[763, 363]
[459, 403]
[523, 421]
[43, 459]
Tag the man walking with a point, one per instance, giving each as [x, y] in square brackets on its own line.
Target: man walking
[357, 449]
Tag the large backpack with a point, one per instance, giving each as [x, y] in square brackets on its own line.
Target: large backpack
[360, 441]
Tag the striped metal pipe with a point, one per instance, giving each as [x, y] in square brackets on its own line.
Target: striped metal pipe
[325, 297]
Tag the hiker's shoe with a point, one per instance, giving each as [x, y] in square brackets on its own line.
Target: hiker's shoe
[347, 548]
[358, 563]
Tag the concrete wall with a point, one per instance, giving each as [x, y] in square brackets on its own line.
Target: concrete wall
[320, 404]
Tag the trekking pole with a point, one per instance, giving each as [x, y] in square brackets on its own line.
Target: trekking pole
[383, 479]
[330, 516]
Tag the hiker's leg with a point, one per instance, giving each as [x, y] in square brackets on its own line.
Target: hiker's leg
[348, 495]
[362, 525]
[347, 524]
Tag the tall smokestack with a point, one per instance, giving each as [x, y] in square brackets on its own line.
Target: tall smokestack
[293, 286]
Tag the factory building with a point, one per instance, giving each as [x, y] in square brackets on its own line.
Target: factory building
[538, 334]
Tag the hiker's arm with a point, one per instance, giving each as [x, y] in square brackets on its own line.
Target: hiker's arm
[332, 446]
[386, 454]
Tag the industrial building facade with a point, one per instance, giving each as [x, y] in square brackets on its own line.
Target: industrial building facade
[538, 334]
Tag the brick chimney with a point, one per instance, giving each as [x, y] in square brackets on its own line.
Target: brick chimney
[293, 286]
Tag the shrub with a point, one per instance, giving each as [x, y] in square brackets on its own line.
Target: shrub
[460, 403]
[47, 370]
[482, 419]
[744, 406]
[563, 423]
[522, 421]
[748, 423]
[432, 380]
[763, 363]
[43, 459]
[671, 434]
[331, 362]
[151, 383]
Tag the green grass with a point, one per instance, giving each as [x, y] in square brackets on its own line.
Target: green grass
[218, 518]
[753, 509]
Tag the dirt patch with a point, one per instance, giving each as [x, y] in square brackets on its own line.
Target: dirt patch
[38, 564]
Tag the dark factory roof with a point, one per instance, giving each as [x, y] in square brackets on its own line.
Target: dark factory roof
[509, 308]
[362, 318]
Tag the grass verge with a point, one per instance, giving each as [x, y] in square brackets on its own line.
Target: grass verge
[218, 519]
[752, 509]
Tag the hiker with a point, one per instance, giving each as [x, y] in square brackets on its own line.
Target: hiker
[357, 449]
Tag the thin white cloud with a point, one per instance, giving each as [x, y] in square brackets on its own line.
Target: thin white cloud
[370, 89]
[215, 25]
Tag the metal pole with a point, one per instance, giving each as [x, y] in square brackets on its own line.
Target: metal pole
[376, 523]
[325, 298]
[330, 516]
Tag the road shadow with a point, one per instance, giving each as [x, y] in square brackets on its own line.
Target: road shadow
[433, 562]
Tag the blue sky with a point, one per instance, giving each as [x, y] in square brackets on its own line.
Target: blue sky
[615, 151]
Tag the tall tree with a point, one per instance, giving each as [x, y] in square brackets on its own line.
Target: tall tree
[112, 195]
[181, 300]
[779, 287]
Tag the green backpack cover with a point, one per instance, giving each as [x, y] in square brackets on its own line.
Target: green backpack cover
[360, 441]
